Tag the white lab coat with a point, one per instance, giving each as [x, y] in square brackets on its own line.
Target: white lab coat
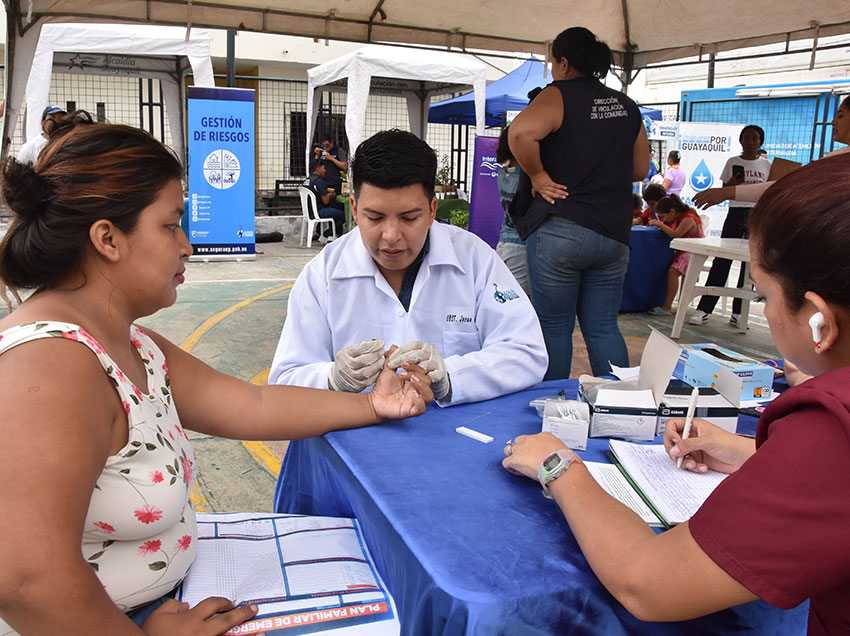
[340, 298]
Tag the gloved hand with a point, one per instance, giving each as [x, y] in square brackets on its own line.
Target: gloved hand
[357, 366]
[427, 357]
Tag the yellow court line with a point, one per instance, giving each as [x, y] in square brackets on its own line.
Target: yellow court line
[199, 502]
[189, 343]
[261, 452]
[196, 496]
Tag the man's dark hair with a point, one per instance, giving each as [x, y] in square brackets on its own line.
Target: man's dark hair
[394, 159]
[316, 163]
[327, 137]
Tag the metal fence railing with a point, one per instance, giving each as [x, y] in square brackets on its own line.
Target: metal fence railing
[281, 119]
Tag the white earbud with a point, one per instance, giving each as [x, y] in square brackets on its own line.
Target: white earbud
[816, 323]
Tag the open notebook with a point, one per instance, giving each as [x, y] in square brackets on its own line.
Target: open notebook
[645, 479]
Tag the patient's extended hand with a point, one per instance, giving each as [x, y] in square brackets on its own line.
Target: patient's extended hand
[401, 395]
[429, 359]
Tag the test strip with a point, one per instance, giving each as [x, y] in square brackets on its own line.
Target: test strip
[471, 434]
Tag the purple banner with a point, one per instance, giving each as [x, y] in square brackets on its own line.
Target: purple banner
[485, 208]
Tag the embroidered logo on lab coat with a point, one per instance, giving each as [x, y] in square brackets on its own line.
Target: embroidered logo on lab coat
[504, 295]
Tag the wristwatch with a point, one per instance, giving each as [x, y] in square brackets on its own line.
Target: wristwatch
[553, 467]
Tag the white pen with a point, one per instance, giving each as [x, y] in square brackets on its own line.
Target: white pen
[689, 419]
[473, 434]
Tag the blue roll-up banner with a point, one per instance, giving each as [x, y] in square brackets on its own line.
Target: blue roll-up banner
[221, 172]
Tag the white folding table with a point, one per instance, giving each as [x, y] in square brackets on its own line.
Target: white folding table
[701, 249]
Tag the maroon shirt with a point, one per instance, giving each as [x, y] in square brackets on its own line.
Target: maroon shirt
[780, 526]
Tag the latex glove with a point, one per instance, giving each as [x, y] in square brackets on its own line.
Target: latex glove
[427, 357]
[357, 366]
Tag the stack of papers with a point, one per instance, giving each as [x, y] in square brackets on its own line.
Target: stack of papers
[311, 573]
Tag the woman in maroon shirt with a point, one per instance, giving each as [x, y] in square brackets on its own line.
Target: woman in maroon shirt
[778, 528]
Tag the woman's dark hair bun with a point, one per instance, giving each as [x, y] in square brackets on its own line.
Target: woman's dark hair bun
[25, 191]
[602, 59]
[584, 51]
[87, 172]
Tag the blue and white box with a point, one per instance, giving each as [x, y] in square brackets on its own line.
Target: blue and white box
[705, 362]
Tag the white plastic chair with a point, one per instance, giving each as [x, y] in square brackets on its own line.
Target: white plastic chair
[310, 212]
[5, 290]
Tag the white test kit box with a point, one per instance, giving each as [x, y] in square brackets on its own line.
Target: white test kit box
[568, 420]
[629, 410]
[712, 406]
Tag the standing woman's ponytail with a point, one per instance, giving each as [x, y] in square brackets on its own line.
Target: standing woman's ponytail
[584, 52]
[602, 59]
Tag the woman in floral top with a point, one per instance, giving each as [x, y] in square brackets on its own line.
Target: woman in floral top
[94, 454]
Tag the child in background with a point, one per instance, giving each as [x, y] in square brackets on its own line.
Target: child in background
[652, 194]
[637, 209]
[677, 221]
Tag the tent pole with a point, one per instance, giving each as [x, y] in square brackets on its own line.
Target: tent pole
[11, 36]
[376, 12]
[628, 55]
[816, 27]
[231, 57]
[628, 64]
[711, 60]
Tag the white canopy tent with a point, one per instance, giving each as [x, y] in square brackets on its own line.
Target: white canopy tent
[639, 31]
[421, 74]
[106, 49]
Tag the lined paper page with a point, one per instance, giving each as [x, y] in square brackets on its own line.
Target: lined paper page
[612, 481]
[675, 493]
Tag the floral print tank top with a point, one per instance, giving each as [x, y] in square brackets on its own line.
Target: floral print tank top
[140, 531]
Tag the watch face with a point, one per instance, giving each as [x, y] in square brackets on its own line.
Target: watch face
[551, 462]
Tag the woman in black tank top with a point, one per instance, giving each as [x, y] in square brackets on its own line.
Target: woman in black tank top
[582, 145]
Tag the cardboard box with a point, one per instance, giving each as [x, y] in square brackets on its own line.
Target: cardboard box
[704, 362]
[629, 410]
[780, 167]
[712, 406]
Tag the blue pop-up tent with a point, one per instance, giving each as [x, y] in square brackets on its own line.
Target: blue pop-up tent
[508, 93]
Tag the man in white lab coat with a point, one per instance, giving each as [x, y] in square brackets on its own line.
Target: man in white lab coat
[438, 292]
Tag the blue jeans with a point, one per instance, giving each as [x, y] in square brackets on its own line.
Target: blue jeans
[141, 614]
[515, 256]
[576, 271]
[337, 215]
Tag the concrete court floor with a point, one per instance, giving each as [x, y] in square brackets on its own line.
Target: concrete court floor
[230, 315]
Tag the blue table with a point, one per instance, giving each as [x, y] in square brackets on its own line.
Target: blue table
[646, 279]
[465, 547]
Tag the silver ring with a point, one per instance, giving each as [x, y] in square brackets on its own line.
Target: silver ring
[509, 448]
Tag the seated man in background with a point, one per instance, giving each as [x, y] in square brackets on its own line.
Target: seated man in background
[325, 197]
[335, 160]
[436, 290]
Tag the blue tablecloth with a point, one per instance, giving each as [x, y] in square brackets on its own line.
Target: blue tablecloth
[465, 547]
[646, 279]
